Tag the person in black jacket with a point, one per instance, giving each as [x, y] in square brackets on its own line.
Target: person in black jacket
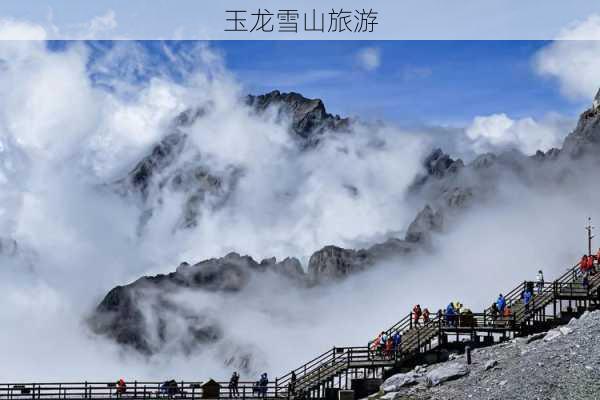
[233, 385]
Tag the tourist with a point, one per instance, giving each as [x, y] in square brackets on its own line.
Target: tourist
[382, 341]
[494, 312]
[397, 339]
[121, 387]
[417, 314]
[540, 282]
[263, 383]
[389, 347]
[450, 314]
[501, 304]
[425, 316]
[526, 299]
[233, 385]
[292, 385]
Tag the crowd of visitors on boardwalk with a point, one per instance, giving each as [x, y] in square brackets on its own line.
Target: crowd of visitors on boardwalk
[389, 344]
[171, 389]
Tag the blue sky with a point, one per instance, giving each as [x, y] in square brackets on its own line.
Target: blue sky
[416, 81]
[412, 82]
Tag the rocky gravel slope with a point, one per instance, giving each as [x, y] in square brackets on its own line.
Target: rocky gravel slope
[563, 363]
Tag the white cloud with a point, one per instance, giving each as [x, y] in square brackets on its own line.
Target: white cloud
[369, 58]
[97, 27]
[11, 29]
[574, 59]
[588, 29]
[489, 133]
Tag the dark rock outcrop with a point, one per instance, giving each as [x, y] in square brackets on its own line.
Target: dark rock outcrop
[332, 262]
[309, 118]
[138, 315]
[586, 136]
[426, 222]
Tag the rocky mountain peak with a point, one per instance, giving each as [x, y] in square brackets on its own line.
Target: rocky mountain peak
[309, 116]
[586, 136]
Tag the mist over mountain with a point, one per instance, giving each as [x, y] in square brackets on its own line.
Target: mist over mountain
[158, 221]
[141, 315]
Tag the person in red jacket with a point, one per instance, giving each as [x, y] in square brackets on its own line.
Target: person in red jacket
[389, 347]
[583, 264]
[121, 387]
[425, 315]
[417, 314]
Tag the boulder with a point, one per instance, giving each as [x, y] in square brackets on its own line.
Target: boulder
[446, 373]
[395, 382]
[552, 334]
[490, 364]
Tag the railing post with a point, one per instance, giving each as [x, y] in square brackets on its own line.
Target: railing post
[135, 389]
[276, 386]
[349, 355]
[332, 355]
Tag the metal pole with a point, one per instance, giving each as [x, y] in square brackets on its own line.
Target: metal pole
[590, 236]
[468, 350]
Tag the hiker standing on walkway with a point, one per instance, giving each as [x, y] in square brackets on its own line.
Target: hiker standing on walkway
[381, 346]
[425, 316]
[121, 387]
[389, 347]
[292, 385]
[457, 307]
[507, 314]
[397, 339]
[501, 303]
[417, 314]
[233, 385]
[526, 299]
[540, 281]
[583, 264]
[494, 311]
[263, 383]
[450, 314]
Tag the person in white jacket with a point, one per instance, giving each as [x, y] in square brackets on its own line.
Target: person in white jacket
[540, 281]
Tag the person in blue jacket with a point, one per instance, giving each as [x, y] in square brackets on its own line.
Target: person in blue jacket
[501, 303]
[397, 338]
[450, 314]
[526, 299]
